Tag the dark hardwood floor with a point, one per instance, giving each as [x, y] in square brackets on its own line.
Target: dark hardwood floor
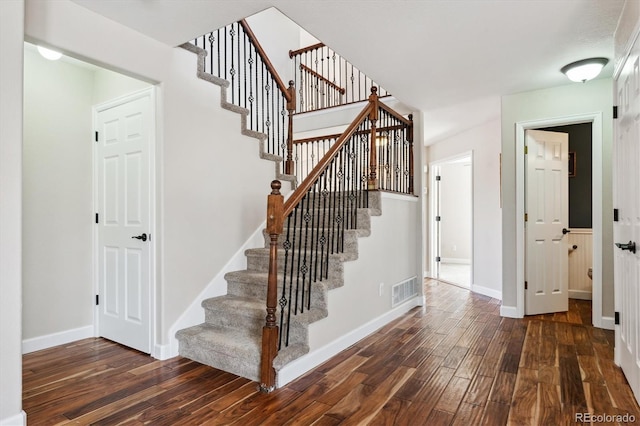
[453, 362]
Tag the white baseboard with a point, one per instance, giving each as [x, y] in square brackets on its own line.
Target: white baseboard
[608, 323]
[55, 339]
[194, 314]
[496, 294]
[580, 294]
[19, 419]
[313, 359]
[509, 312]
[164, 352]
[455, 260]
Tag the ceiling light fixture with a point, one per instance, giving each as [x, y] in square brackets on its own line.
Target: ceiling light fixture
[49, 54]
[586, 69]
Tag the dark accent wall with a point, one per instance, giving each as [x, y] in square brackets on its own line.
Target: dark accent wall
[579, 185]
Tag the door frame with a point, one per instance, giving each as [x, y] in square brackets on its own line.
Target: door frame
[432, 213]
[595, 119]
[153, 228]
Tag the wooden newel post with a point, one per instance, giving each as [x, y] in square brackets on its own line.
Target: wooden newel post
[291, 107]
[372, 183]
[275, 202]
[410, 139]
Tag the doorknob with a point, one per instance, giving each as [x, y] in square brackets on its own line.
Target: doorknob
[565, 231]
[631, 246]
[142, 237]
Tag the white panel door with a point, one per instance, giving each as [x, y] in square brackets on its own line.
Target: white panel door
[626, 230]
[123, 206]
[547, 207]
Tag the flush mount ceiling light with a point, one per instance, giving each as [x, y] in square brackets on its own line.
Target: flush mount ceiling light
[586, 69]
[49, 54]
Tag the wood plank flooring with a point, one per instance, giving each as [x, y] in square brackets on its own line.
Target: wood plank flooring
[454, 361]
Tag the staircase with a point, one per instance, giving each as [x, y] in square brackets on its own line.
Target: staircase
[230, 339]
[307, 238]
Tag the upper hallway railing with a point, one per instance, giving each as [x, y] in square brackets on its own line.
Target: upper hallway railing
[324, 79]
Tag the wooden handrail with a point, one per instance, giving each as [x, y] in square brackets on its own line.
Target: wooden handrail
[293, 53]
[330, 83]
[394, 113]
[265, 59]
[308, 182]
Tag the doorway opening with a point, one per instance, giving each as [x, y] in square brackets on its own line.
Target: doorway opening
[452, 220]
[59, 218]
[595, 119]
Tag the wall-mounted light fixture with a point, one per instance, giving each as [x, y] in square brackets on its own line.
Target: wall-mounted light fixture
[586, 69]
[49, 54]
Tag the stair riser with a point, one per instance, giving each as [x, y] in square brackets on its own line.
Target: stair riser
[374, 200]
[249, 368]
[260, 263]
[349, 245]
[298, 333]
[319, 219]
[318, 298]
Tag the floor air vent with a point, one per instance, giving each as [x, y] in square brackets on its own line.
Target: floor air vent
[404, 291]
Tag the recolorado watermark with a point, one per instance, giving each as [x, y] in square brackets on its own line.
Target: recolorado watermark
[604, 418]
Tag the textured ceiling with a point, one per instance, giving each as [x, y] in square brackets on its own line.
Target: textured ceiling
[431, 54]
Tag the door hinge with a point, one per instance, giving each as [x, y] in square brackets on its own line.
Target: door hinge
[526, 217]
[526, 285]
[615, 215]
[437, 258]
[97, 299]
[96, 136]
[97, 218]
[615, 112]
[438, 218]
[617, 318]
[526, 150]
[438, 177]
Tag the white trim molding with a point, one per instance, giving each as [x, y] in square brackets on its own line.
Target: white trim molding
[491, 292]
[56, 339]
[509, 312]
[608, 323]
[311, 360]
[580, 294]
[18, 419]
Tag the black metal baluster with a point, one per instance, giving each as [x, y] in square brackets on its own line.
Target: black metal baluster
[283, 298]
[245, 42]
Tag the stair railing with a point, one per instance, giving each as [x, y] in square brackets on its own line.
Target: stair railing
[312, 226]
[394, 152]
[234, 54]
[325, 79]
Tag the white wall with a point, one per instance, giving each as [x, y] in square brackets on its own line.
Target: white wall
[57, 200]
[359, 301]
[276, 43]
[484, 141]
[212, 185]
[591, 97]
[109, 85]
[11, 47]
[455, 211]
[57, 195]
